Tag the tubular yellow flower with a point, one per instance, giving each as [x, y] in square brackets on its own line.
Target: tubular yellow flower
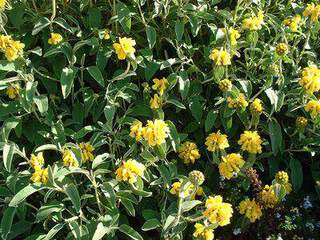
[69, 160]
[281, 49]
[256, 106]
[293, 23]
[254, 22]
[40, 176]
[234, 35]
[267, 197]
[11, 48]
[312, 11]
[136, 130]
[13, 91]
[301, 122]
[160, 85]
[86, 152]
[155, 102]
[216, 141]
[36, 161]
[3, 4]
[231, 164]
[310, 79]
[282, 177]
[225, 85]
[155, 132]
[125, 47]
[202, 232]
[106, 34]
[55, 39]
[217, 211]
[251, 209]
[250, 141]
[129, 171]
[238, 102]
[313, 106]
[189, 152]
[220, 57]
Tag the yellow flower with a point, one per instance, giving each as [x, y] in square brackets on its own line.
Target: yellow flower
[2, 4]
[250, 141]
[36, 161]
[86, 152]
[225, 85]
[281, 49]
[217, 211]
[160, 85]
[216, 141]
[196, 177]
[251, 209]
[69, 160]
[312, 11]
[238, 102]
[220, 57]
[293, 23]
[136, 130]
[234, 35]
[301, 122]
[155, 102]
[230, 164]
[155, 132]
[13, 91]
[129, 171]
[189, 152]
[256, 106]
[254, 22]
[125, 47]
[288, 187]
[40, 176]
[188, 190]
[310, 79]
[313, 106]
[267, 197]
[202, 232]
[12, 49]
[55, 39]
[106, 34]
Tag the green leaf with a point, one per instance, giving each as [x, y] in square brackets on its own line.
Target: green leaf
[96, 74]
[184, 84]
[73, 194]
[188, 205]
[151, 36]
[8, 66]
[275, 136]
[24, 193]
[109, 111]
[62, 23]
[130, 232]
[196, 108]
[173, 135]
[53, 231]
[42, 103]
[101, 230]
[67, 76]
[151, 224]
[41, 24]
[6, 221]
[296, 174]
[210, 120]
[176, 103]
[8, 151]
[179, 29]
[124, 16]
[47, 209]
[46, 147]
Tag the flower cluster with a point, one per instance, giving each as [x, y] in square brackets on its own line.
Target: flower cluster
[125, 48]
[250, 141]
[251, 209]
[216, 141]
[310, 79]
[129, 171]
[239, 102]
[69, 159]
[40, 174]
[312, 11]
[155, 132]
[254, 22]
[225, 85]
[203, 232]
[86, 152]
[11, 48]
[313, 106]
[256, 106]
[293, 23]
[217, 211]
[13, 91]
[230, 165]
[301, 122]
[189, 152]
[267, 197]
[55, 39]
[189, 190]
[220, 57]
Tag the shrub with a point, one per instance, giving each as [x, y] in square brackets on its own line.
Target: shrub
[159, 119]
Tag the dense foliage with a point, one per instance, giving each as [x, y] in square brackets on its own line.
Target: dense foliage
[159, 119]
